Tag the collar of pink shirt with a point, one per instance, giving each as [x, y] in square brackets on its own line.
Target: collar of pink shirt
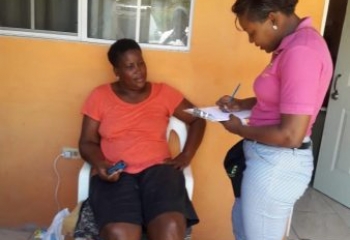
[304, 23]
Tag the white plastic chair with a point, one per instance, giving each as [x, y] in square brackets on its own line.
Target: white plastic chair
[175, 125]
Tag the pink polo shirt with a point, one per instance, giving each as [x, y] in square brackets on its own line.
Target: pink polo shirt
[296, 80]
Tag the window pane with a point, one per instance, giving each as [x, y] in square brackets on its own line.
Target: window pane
[15, 13]
[169, 22]
[111, 19]
[48, 15]
[56, 15]
[162, 22]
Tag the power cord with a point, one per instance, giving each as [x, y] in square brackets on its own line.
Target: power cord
[58, 181]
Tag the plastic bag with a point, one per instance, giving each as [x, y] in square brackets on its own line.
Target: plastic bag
[54, 231]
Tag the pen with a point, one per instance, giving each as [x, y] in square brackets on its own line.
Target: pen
[225, 107]
[235, 91]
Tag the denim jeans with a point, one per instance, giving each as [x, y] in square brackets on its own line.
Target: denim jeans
[275, 178]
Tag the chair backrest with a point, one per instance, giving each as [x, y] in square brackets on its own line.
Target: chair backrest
[175, 125]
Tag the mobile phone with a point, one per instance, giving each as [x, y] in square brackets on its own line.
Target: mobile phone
[119, 165]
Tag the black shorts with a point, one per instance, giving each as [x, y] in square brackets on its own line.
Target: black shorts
[139, 198]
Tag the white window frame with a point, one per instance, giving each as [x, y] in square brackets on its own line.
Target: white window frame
[81, 34]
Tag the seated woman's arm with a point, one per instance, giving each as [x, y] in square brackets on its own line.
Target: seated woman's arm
[195, 134]
[90, 150]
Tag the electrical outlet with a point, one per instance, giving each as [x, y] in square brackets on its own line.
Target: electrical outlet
[70, 153]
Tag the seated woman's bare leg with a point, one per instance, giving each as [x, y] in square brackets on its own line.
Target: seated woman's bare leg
[167, 226]
[121, 231]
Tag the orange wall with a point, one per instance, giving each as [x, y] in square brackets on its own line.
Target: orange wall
[44, 83]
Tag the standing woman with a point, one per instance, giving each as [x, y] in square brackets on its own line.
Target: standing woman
[289, 94]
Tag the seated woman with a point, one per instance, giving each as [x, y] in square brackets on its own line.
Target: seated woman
[127, 120]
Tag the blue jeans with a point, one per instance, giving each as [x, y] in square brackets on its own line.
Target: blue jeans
[275, 178]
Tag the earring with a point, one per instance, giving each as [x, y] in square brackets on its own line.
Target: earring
[274, 27]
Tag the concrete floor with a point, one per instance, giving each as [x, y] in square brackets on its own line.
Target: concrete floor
[315, 217]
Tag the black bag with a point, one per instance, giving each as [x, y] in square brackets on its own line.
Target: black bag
[234, 164]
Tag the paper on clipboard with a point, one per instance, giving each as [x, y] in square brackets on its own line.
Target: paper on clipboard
[216, 115]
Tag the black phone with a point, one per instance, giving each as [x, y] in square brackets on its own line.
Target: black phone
[119, 165]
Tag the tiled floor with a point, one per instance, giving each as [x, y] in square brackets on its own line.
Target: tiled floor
[317, 217]
[7, 234]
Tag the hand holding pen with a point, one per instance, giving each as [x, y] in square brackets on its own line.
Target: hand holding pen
[229, 103]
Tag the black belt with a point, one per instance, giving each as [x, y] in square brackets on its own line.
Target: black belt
[303, 146]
